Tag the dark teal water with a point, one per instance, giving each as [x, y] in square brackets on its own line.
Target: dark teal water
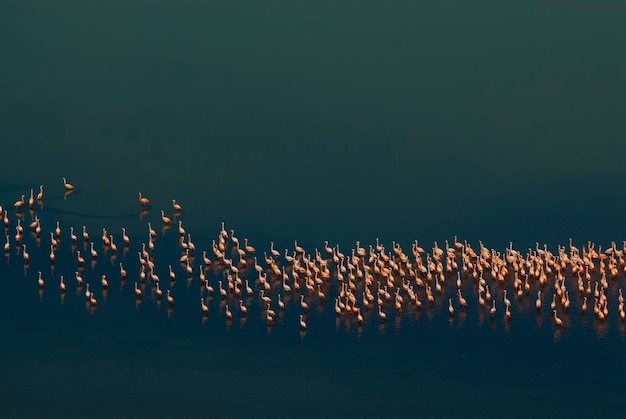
[314, 121]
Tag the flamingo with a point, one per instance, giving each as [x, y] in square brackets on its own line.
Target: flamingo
[67, 186]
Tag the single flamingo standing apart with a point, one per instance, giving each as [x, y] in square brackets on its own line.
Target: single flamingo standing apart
[143, 200]
[67, 186]
[558, 321]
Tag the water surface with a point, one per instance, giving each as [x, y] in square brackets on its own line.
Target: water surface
[310, 121]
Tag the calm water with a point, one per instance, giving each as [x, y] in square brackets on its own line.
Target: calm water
[314, 121]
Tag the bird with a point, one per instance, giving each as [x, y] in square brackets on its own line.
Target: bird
[67, 186]
[273, 251]
[320, 294]
[338, 307]
[205, 258]
[222, 290]
[125, 237]
[106, 241]
[462, 300]
[72, 235]
[302, 322]
[244, 309]
[164, 218]
[248, 248]
[286, 287]
[143, 200]
[303, 303]
[151, 231]
[176, 206]
[234, 239]
[205, 308]
[112, 245]
[40, 194]
[94, 254]
[558, 321]
[170, 299]
[538, 301]
[138, 291]
[382, 315]
[19, 203]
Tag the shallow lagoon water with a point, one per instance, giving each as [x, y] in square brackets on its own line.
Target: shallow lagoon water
[492, 122]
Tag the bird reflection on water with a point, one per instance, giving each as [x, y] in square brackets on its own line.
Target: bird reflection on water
[366, 285]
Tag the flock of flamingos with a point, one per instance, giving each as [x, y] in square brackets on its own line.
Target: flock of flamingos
[363, 284]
